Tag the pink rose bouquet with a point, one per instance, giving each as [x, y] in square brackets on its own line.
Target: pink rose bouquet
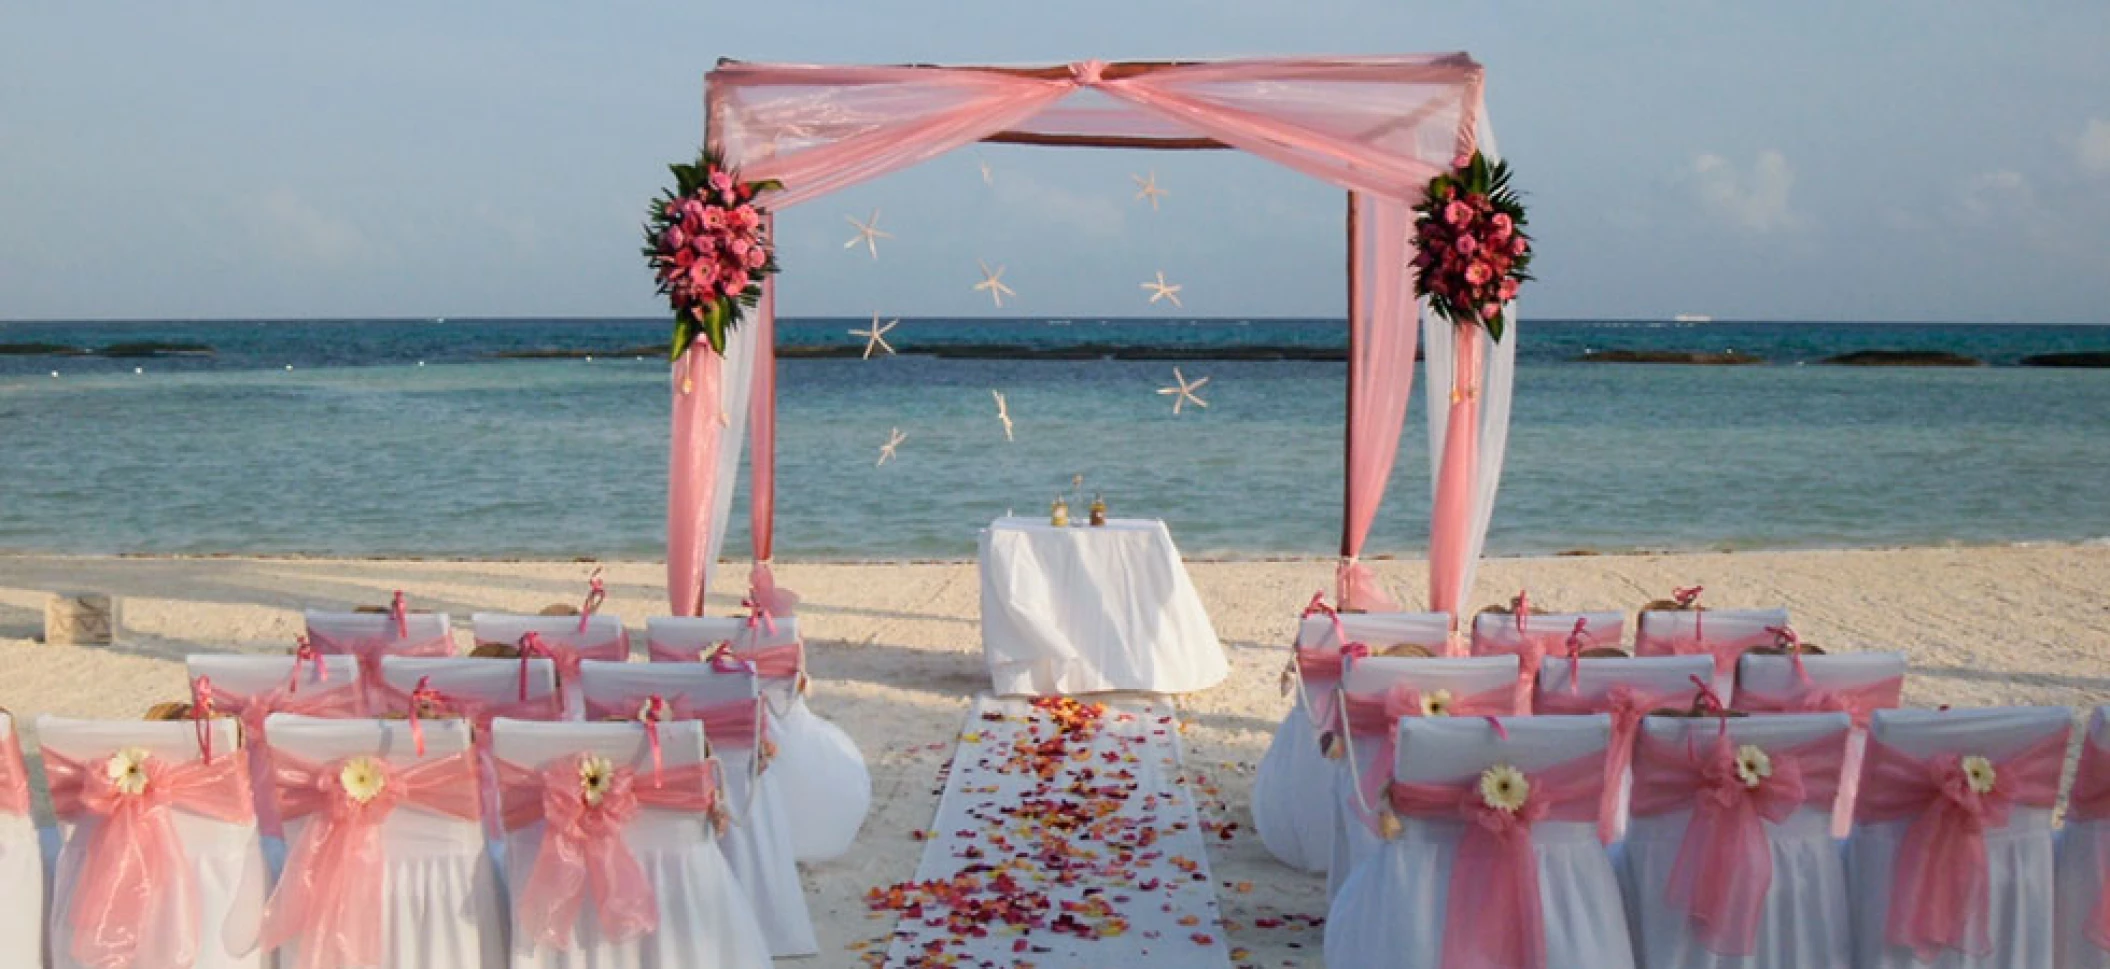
[1472, 252]
[707, 246]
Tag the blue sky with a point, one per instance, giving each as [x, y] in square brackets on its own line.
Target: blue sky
[1789, 160]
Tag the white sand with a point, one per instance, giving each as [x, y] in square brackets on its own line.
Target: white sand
[896, 653]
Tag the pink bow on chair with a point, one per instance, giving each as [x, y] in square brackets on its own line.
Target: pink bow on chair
[135, 904]
[583, 852]
[1494, 918]
[1724, 866]
[252, 708]
[330, 897]
[2090, 801]
[1940, 893]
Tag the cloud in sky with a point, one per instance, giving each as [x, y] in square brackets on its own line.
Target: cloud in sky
[1754, 198]
[2095, 147]
[296, 231]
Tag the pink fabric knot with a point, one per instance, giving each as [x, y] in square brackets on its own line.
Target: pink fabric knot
[1687, 595]
[305, 652]
[565, 659]
[763, 588]
[201, 713]
[1087, 73]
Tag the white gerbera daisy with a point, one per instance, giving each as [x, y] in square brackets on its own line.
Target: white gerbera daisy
[596, 778]
[1979, 773]
[1504, 788]
[1437, 704]
[1753, 766]
[127, 770]
[362, 779]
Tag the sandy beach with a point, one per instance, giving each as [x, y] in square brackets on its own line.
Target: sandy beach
[896, 657]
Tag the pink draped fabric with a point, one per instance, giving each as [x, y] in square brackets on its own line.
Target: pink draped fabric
[329, 898]
[370, 649]
[780, 662]
[1940, 891]
[1375, 717]
[692, 484]
[2090, 801]
[565, 654]
[1628, 706]
[738, 724]
[1494, 918]
[135, 903]
[583, 853]
[1859, 702]
[1724, 867]
[1726, 651]
[319, 700]
[1377, 126]
[1451, 520]
[14, 777]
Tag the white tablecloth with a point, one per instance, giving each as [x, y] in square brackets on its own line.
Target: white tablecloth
[1086, 610]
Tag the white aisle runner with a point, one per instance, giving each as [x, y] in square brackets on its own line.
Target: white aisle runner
[1065, 840]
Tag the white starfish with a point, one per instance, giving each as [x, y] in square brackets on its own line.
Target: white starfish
[1183, 391]
[886, 451]
[994, 283]
[1003, 412]
[868, 232]
[875, 338]
[1160, 290]
[988, 178]
[1150, 189]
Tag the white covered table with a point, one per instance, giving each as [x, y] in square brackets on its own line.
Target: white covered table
[1087, 610]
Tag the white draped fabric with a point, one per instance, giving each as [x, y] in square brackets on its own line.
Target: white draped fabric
[21, 874]
[735, 384]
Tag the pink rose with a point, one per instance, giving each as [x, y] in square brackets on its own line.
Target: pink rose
[1502, 225]
[736, 283]
[673, 239]
[713, 219]
[1456, 213]
[1518, 245]
[1490, 311]
[721, 181]
[746, 217]
[703, 274]
[756, 257]
[1466, 245]
[1508, 290]
[1478, 273]
[739, 248]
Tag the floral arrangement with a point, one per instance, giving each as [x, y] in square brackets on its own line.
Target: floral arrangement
[707, 247]
[1473, 252]
[1504, 788]
[1753, 766]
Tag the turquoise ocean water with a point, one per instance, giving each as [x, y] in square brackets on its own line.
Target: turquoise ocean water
[360, 450]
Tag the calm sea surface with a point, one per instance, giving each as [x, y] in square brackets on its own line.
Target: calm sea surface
[405, 438]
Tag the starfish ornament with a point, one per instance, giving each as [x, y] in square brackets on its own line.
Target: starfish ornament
[1003, 412]
[868, 232]
[875, 338]
[1149, 189]
[994, 283]
[886, 451]
[1183, 391]
[1161, 290]
[988, 178]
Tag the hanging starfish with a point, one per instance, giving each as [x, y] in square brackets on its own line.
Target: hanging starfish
[988, 178]
[886, 451]
[868, 232]
[1003, 412]
[1160, 290]
[1150, 189]
[1183, 392]
[875, 338]
[994, 283]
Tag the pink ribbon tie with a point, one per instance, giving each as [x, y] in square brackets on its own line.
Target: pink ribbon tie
[596, 593]
[400, 613]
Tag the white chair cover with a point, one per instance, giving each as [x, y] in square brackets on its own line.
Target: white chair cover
[1805, 921]
[2019, 855]
[1390, 914]
[1353, 841]
[1775, 676]
[2084, 863]
[22, 877]
[1656, 631]
[705, 920]
[1498, 633]
[420, 626]
[603, 638]
[442, 908]
[826, 786]
[225, 858]
[759, 844]
[337, 678]
[1381, 630]
[1595, 677]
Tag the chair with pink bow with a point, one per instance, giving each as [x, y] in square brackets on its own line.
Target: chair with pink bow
[1730, 862]
[727, 700]
[1626, 689]
[1293, 807]
[1725, 634]
[564, 640]
[387, 863]
[1493, 858]
[1856, 684]
[1951, 857]
[2083, 887]
[21, 858]
[160, 866]
[1534, 636]
[612, 848]
[826, 786]
[368, 636]
[1375, 692]
[252, 688]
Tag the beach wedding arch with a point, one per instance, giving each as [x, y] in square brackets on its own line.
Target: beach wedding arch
[708, 245]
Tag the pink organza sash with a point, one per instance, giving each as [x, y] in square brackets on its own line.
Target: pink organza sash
[135, 905]
[14, 777]
[1494, 919]
[1725, 651]
[2090, 801]
[583, 852]
[1375, 717]
[330, 895]
[425, 701]
[1627, 705]
[1940, 891]
[370, 649]
[251, 709]
[784, 661]
[1724, 866]
[738, 724]
[565, 657]
[1859, 702]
